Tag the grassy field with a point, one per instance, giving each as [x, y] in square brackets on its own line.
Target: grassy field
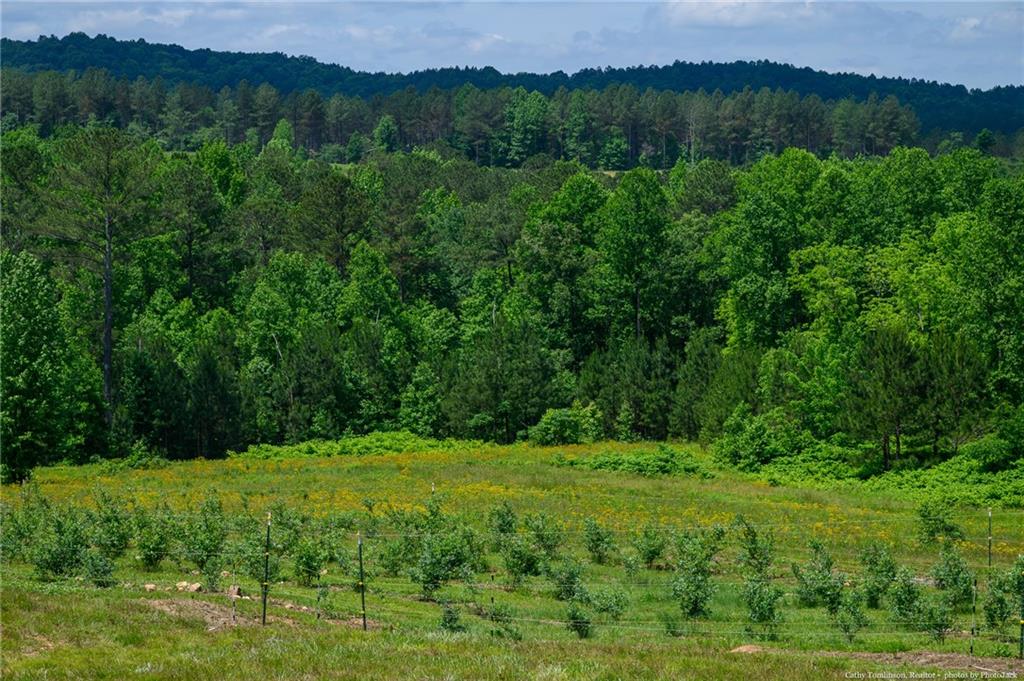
[144, 627]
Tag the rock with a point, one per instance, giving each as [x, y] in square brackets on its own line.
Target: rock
[235, 591]
[149, 587]
[181, 586]
[193, 588]
[225, 574]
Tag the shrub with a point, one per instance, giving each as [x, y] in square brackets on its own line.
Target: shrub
[502, 521]
[502, 615]
[817, 582]
[935, 522]
[996, 605]
[152, 536]
[936, 618]
[611, 602]
[650, 545]
[849, 617]
[578, 620]
[904, 597]
[598, 540]
[98, 569]
[521, 559]
[761, 598]
[952, 575]
[751, 440]
[692, 586]
[992, 453]
[311, 556]
[672, 625]
[576, 425]
[450, 619]
[249, 554]
[60, 544]
[879, 571]
[568, 580]
[757, 549]
[111, 526]
[204, 534]
[445, 555]
[546, 531]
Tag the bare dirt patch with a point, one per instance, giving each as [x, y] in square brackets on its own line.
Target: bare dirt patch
[913, 659]
[215, 615]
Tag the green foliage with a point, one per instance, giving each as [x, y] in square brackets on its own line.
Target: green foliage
[935, 521]
[205, 532]
[153, 533]
[818, 583]
[576, 425]
[952, 576]
[111, 526]
[650, 544]
[547, 532]
[879, 571]
[611, 602]
[762, 600]
[904, 597]
[568, 579]
[446, 555]
[578, 620]
[750, 441]
[60, 545]
[663, 460]
[98, 568]
[598, 540]
[849, 617]
[372, 444]
[311, 556]
[936, 618]
[521, 558]
[695, 555]
[450, 619]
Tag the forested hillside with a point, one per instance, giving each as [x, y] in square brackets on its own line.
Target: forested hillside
[943, 106]
[853, 315]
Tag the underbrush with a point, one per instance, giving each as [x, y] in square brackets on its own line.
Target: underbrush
[397, 442]
[662, 460]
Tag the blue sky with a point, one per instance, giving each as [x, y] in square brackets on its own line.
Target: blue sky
[979, 44]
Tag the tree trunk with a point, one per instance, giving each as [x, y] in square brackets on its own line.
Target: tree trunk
[885, 452]
[108, 321]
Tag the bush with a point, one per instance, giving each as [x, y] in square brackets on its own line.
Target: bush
[935, 522]
[1005, 596]
[904, 597]
[98, 569]
[546, 531]
[204, 535]
[450, 553]
[568, 580]
[692, 586]
[879, 572]
[450, 619]
[817, 582]
[757, 549]
[502, 521]
[503, 616]
[761, 598]
[936, 618]
[372, 444]
[952, 575]
[849, 617]
[576, 425]
[152, 536]
[611, 602]
[60, 544]
[751, 440]
[111, 526]
[578, 620]
[992, 453]
[249, 553]
[598, 540]
[663, 460]
[311, 557]
[521, 559]
[650, 545]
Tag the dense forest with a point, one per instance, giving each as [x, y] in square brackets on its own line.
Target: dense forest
[868, 312]
[939, 106]
[616, 128]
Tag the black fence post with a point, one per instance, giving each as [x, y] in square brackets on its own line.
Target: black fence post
[362, 582]
[266, 571]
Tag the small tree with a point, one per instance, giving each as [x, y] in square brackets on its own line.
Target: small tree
[599, 541]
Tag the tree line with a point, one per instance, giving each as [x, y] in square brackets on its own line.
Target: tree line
[616, 128]
[939, 105]
[194, 303]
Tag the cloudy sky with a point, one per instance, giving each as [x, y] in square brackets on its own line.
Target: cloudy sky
[979, 44]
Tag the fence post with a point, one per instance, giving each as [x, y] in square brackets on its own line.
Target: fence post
[989, 537]
[266, 571]
[362, 582]
[974, 613]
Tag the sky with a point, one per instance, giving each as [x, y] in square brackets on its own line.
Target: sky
[979, 44]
